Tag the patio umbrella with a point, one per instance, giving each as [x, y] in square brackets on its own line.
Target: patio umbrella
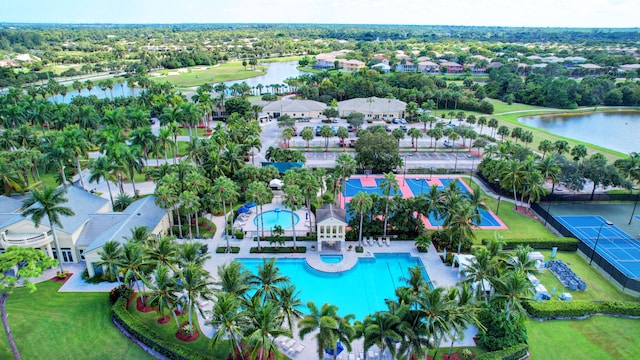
[243, 210]
[339, 349]
[249, 205]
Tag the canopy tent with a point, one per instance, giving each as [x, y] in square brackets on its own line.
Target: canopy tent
[249, 205]
[276, 184]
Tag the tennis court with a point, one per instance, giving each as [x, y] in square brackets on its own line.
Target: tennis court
[615, 245]
[368, 185]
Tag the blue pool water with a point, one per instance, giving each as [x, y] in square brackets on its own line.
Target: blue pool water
[331, 259]
[276, 217]
[360, 291]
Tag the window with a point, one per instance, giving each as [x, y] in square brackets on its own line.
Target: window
[81, 252]
[67, 257]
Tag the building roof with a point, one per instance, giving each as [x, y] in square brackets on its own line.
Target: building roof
[372, 104]
[143, 212]
[590, 66]
[287, 105]
[9, 205]
[427, 63]
[449, 64]
[330, 211]
[83, 204]
[9, 219]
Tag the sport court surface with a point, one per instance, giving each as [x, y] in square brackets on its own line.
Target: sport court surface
[618, 247]
[411, 186]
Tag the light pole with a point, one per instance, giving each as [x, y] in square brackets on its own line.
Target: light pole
[605, 222]
[404, 173]
[498, 207]
[634, 205]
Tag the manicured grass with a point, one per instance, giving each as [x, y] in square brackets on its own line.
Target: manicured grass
[600, 337]
[185, 131]
[599, 288]
[281, 59]
[51, 325]
[500, 107]
[213, 74]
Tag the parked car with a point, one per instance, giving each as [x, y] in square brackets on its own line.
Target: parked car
[350, 128]
[395, 121]
[403, 121]
[388, 128]
[403, 128]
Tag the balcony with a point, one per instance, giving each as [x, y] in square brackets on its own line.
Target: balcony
[25, 239]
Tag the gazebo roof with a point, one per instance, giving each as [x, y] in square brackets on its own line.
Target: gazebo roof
[331, 211]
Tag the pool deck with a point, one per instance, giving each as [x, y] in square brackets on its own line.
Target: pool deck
[349, 260]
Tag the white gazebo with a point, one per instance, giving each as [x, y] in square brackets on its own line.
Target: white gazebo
[331, 225]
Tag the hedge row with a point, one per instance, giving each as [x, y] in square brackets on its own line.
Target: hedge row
[290, 238]
[223, 249]
[147, 336]
[511, 353]
[278, 250]
[562, 243]
[580, 308]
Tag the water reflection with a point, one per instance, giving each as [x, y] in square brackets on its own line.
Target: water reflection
[613, 130]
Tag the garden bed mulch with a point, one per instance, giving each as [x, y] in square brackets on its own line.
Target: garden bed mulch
[187, 337]
[164, 320]
[142, 307]
[63, 280]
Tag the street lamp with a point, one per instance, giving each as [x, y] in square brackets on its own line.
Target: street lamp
[605, 222]
[498, 207]
[634, 205]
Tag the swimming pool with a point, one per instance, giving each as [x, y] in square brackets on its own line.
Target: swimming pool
[276, 217]
[331, 259]
[360, 291]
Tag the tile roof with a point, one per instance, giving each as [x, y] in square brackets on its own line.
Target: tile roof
[9, 205]
[330, 211]
[372, 104]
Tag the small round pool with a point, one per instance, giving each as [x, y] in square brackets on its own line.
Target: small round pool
[331, 259]
[276, 217]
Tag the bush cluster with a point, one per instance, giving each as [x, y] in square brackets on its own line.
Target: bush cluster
[511, 353]
[278, 250]
[120, 292]
[147, 336]
[562, 243]
[223, 249]
[580, 308]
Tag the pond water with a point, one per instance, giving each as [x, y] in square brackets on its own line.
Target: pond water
[276, 73]
[613, 130]
[118, 91]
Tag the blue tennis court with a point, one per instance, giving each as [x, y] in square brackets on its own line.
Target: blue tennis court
[487, 219]
[615, 245]
[420, 185]
[354, 186]
[459, 184]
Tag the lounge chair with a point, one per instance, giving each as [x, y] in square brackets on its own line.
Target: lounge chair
[388, 241]
[297, 349]
[379, 241]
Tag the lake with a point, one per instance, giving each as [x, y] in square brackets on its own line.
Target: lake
[613, 130]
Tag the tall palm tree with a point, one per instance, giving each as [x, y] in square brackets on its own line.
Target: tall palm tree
[265, 323]
[346, 166]
[196, 283]
[268, 279]
[433, 203]
[389, 184]
[512, 176]
[363, 202]
[331, 327]
[514, 287]
[133, 264]
[293, 200]
[234, 279]
[435, 308]
[480, 271]
[380, 329]
[228, 320]
[110, 255]
[259, 193]
[226, 191]
[461, 220]
[163, 288]
[48, 202]
[163, 252]
[289, 304]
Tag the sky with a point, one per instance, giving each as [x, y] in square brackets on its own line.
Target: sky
[531, 13]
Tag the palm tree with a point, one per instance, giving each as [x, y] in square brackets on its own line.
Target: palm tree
[435, 308]
[228, 320]
[268, 279]
[514, 287]
[259, 193]
[363, 202]
[480, 271]
[163, 252]
[196, 283]
[163, 288]
[226, 191]
[433, 203]
[234, 279]
[388, 185]
[48, 202]
[101, 169]
[110, 255]
[293, 200]
[380, 330]
[133, 264]
[265, 323]
[290, 304]
[461, 219]
[345, 166]
[512, 176]
[331, 327]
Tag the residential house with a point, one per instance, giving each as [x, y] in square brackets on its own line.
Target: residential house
[381, 67]
[406, 66]
[452, 67]
[350, 65]
[83, 234]
[428, 67]
[373, 108]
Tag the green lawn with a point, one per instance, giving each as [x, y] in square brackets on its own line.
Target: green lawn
[600, 337]
[212, 74]
[52, 325]
[500, 107]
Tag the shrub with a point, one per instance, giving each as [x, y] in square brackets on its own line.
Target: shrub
[278, 250]
[580, 308]
[120, 292]
[562, 243]
[239, 234]
[147, 336]
[514, 352]
[96, 279]
[359, 249]
[223, 249]
[500, 333]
